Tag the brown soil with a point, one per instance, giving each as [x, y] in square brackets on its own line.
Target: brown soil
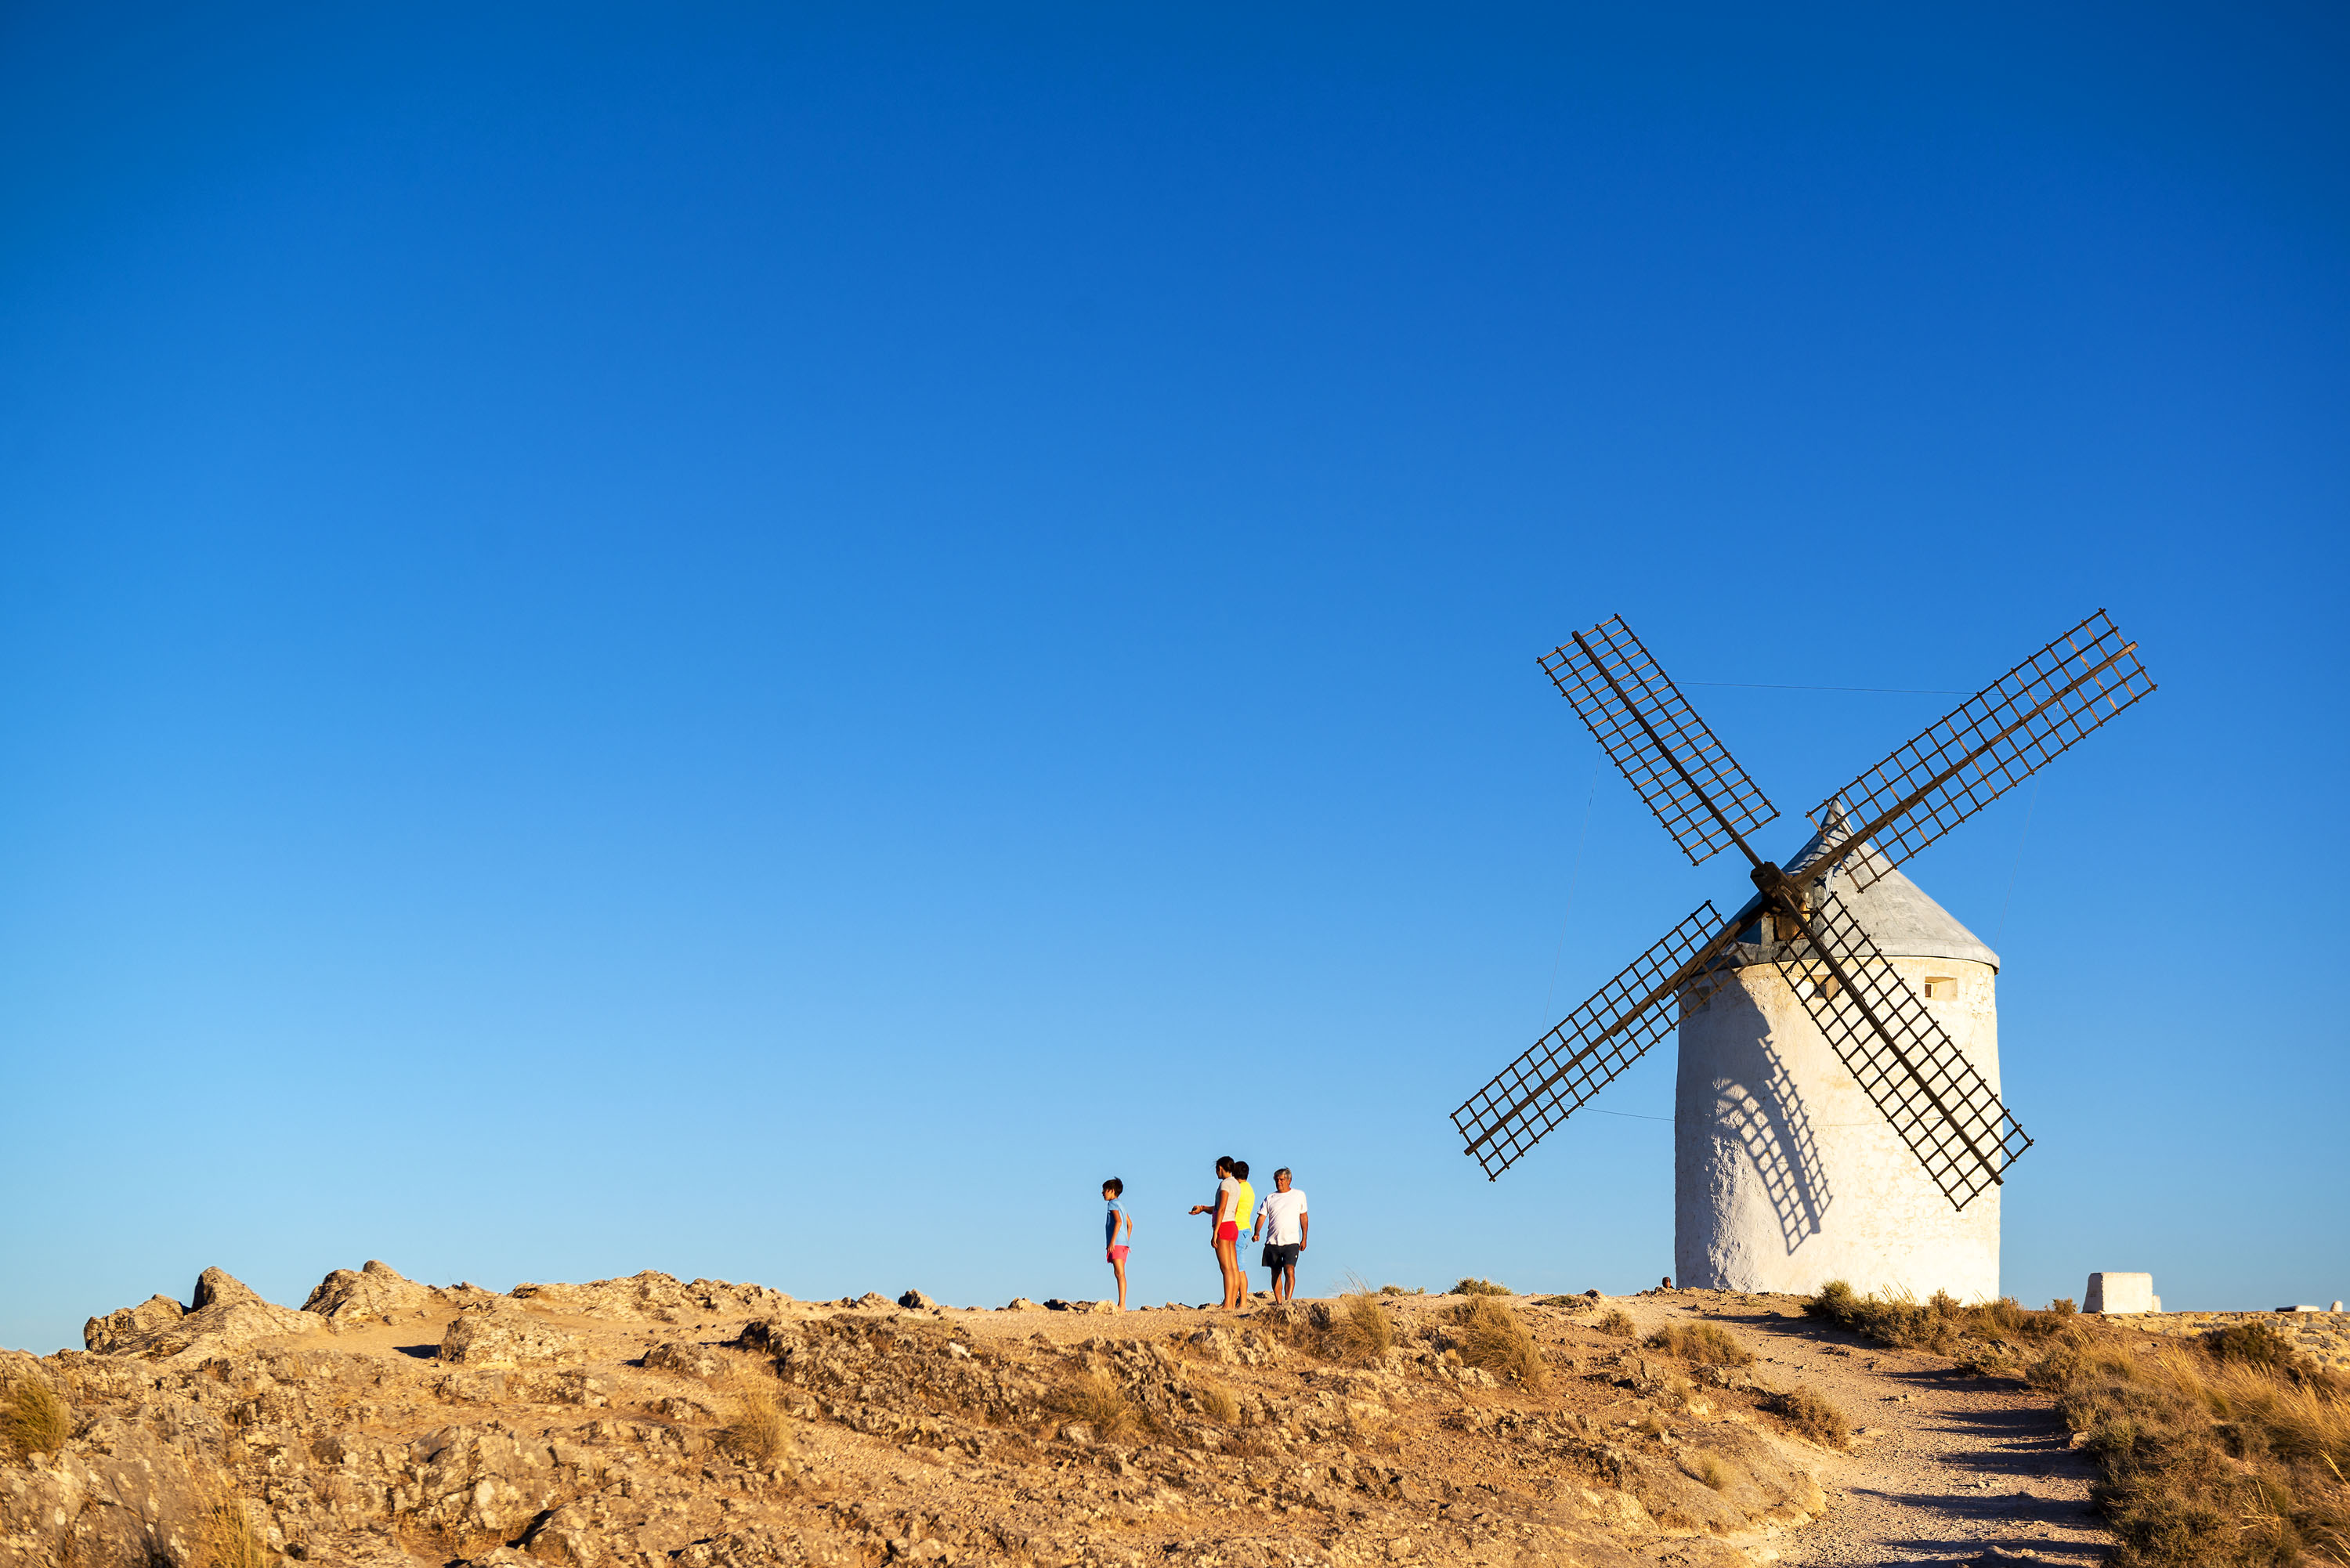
[1036, 1436]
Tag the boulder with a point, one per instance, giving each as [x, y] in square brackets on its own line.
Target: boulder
[106, 1335]
[501, 1332]
[693, 1360]
[771, 1337]
[873, 1299]
[227, 1316]
[351, 1296]
[915, 1301]
[218, 1287]
[1020, 1303]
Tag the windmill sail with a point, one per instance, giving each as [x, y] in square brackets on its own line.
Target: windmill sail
[1688, 777]
[1990, 743]
[1597, 1041]
[1943, 1108]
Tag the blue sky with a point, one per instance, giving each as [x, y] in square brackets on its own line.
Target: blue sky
[763, 642]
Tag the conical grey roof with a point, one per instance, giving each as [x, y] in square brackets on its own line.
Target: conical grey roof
[1895, 911]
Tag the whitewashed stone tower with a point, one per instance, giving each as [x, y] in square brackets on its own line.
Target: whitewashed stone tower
[1785, 1176]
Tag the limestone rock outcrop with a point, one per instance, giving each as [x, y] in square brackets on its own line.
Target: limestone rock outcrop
[224, 1314]
[108, 1335]
[378, 1292]
[116, 1493]
[693, 1360]
[651, 1297]
[502, 1332]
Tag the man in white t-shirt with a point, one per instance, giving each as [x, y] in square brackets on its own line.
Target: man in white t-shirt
[1282, 1223]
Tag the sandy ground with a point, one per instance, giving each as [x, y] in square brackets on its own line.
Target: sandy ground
[1952, 1469]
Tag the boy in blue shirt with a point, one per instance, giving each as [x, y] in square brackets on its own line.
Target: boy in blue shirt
[1112, 1190]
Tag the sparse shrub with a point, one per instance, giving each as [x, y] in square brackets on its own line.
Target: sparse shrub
[1399, 1291]
[1099, 1403]
[1809, 1413]
[2064, 1306]
[34, 1420]
[225, 1533]
[1491, 1337]
[1218, 1405]
[2254, 1345]
[1482, 1288]
[1359, 1329]
[1653, 1424]
[1701, 1343]
[1896, 1319]
[1617, 1325]
[2006, 1314]
[1835, 1302]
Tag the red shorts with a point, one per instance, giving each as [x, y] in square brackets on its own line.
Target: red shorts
[1118, 1254]
[1230, 1230]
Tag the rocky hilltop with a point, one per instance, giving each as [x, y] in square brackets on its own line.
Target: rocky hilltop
[657, 1422]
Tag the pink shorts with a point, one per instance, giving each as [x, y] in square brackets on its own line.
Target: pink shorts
[1118, 1254]
[1230, 1230]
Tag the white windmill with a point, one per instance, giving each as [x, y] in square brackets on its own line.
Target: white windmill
[1837, 1113]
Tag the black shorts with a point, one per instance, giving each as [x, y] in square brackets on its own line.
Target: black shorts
[1281, 1257]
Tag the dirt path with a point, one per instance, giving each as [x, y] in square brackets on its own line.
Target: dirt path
[1952, 1470]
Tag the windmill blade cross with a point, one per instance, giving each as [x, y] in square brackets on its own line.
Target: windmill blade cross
[1635, 712]
[1915, 1073]
[1598, 1040]
[1987, 745]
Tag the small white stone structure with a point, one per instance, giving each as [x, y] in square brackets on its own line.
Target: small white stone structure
[2112, 1293]
[1785, 1175]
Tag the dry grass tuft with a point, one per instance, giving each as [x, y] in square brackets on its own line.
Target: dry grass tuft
[1808, 1413]
[1218, 1405]
[1490, 1336]
[1617, 1325]
[756, 1429]
[1712, 1470]
[1099, 1403]
[1359, 1329]
[225, 1533]
[1701, 1345]
[34, 1420]
[1482, 1288]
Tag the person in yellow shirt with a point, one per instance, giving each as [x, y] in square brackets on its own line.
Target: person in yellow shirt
[1243, 1208]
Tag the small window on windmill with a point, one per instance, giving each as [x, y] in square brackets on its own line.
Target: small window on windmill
[1941, 988]
[1821, 984]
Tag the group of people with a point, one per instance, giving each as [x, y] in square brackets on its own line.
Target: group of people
[1278, 1220]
